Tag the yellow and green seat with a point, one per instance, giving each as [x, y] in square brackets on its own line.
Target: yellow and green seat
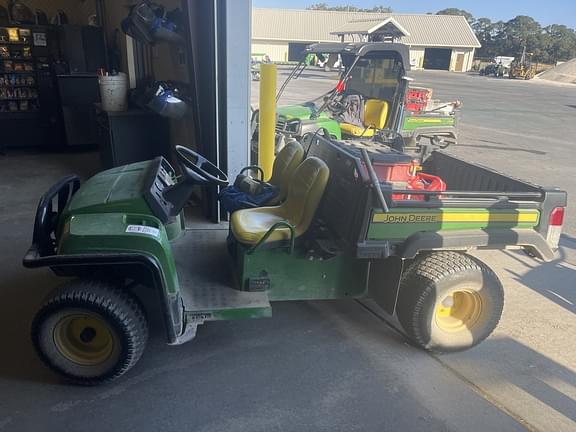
[293, 217]
[375, 115]
[285, 163]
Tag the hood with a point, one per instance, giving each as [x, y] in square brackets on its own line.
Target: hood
[300, 112]
[117, 189]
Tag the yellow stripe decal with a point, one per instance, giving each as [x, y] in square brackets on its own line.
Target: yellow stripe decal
[455, 217]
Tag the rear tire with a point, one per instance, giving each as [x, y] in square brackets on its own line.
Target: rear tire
[449, 301]
[90, 332]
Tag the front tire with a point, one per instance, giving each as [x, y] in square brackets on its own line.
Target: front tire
[90, 332]
[449, 301]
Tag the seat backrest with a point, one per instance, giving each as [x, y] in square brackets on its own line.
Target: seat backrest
[305, 192]
[285, 163]
[375, 113]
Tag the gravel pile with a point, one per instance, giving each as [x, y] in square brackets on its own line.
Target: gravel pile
[563, 73]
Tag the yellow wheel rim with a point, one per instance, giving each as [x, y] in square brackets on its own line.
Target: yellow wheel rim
[84, 339]
[458, 310]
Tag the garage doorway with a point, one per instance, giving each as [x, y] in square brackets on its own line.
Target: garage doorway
[437, 58]
[296, 51]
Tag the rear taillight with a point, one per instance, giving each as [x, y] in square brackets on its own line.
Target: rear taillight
[557, 216]
[555, 226]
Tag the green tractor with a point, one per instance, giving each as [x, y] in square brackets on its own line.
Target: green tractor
[340, 232]
[497, 70]
[373, 85]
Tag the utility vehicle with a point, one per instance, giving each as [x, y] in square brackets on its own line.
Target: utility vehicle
[497, 70]
[375, 74]
[524, 68]
[256, 60]
[340, 233]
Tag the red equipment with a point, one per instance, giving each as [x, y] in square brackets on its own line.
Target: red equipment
[399, 170]
[417, 99]
[427, 182]
[408, 176]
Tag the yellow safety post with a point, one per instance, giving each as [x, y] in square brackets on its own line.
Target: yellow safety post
[267, 118]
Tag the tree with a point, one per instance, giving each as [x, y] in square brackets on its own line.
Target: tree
[522, 32]
[349, 8]
[561, 43]
[458, 12]
[547, 45]
[484, 30]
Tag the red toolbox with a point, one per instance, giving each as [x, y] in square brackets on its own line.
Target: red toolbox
[398, 169]
[417, 99]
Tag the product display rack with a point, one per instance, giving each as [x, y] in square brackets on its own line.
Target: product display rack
[18, 74]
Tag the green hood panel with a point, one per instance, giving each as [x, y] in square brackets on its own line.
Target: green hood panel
[117, 189]
[301, 112]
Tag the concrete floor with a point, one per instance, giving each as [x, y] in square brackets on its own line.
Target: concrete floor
[325, 365]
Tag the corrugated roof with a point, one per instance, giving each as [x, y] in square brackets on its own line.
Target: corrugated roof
[316, 26]
[370, 26]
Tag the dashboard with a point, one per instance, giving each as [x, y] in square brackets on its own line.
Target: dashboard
[160, 176]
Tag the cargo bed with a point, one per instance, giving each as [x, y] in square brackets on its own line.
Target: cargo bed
[481, 208]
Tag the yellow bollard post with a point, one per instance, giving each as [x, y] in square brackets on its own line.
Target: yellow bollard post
[267, 118]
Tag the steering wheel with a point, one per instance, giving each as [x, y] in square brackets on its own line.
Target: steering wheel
[197, 167]
[340, 102]
[337, 104]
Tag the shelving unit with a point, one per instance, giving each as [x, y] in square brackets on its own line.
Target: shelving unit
[18, 77]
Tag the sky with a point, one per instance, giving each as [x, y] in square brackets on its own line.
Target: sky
[545, 12]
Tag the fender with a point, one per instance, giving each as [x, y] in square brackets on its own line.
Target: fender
[482, 239]
[147, 269]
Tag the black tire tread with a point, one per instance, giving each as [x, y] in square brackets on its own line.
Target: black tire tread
[418, 283]
[107, 299]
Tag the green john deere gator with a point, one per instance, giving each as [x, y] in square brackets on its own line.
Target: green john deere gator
[340, 233]
[374, 78]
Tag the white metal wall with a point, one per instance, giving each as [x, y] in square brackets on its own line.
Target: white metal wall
[417, 58]
[238, 31]
[276, 50]
[468, 54]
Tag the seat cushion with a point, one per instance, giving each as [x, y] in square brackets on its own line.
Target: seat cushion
[250, 225]
[375, 113]
[358, 131]
[305, 192]
[286, 162]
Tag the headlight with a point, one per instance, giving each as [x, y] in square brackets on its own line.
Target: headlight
[293, 127]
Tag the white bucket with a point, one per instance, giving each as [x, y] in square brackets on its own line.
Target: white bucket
[114, 92]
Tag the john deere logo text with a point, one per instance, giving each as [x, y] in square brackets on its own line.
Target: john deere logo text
[405, 218]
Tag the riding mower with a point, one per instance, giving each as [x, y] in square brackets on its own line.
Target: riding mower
[340, 232]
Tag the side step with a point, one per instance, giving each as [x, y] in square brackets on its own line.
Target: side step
[208, 287]
[222, 304]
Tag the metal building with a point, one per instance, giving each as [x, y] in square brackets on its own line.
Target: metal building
[443, 42]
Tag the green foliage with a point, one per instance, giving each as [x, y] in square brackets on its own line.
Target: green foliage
[546, 44]
[456, 11]
[348, 8]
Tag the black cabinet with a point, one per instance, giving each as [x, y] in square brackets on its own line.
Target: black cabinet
[78, 94]
[131, 136]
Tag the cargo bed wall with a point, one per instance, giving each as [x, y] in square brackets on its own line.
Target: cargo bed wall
[464, 176]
